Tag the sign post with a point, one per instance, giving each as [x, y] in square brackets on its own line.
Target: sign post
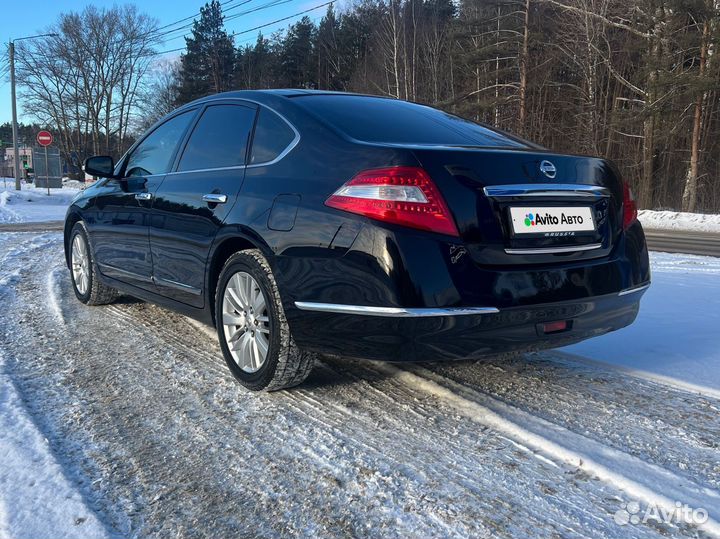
[44, 139]
[3, 160]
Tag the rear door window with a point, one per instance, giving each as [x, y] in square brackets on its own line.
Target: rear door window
[219, 139]
[272, 137]
[374, 119]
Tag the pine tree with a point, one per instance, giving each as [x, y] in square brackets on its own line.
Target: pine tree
[256, 66]
[208, 65]
[298, 61]
[328, 51]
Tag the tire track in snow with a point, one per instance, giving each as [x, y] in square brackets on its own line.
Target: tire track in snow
[172, 442]
[576, 450]
[301, 401]
[304, 402]
[17, 245]
[672, 429]
[651, 484]
[19, 260]
[581, 458]
[332, 417]
[53, 291]
[308, 412]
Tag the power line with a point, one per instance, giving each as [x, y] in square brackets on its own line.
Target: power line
[166, 52]
[270, 4]
[258, 27]
[183, 29]
[252, 39]
[273, 3]
[193, 17]
[283, 19]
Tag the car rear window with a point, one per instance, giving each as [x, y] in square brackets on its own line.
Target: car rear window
[373, 119]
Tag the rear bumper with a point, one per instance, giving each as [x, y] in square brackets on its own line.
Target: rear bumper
[404, 296]
[426, 335]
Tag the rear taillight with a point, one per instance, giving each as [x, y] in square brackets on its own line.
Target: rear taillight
[400, 195]
[630, 210]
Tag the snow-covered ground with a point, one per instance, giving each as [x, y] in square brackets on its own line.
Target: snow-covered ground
[33, 204]
[152, 437]
[673, 220]
[36, 499]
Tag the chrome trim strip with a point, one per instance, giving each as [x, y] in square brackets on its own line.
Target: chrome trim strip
[634, 290]
[233, 167]
[546, 190]
[178, 286]
[394, 312]
[108, 270]
[553, 250]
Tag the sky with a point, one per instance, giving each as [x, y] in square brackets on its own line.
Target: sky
[21, 18]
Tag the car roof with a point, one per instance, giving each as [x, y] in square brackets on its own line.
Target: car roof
[280, 100]
[269, 96]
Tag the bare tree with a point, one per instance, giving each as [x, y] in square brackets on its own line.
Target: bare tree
[160, 92]
[689, 198]
[86, 79]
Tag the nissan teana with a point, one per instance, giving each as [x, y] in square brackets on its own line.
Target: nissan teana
[305, 222]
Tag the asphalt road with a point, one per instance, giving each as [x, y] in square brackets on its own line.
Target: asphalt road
[669, 241]
[41, 226]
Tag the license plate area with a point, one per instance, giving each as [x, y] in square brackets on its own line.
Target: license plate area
[552, 221]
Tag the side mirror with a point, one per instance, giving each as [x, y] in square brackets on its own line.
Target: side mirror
[100, 165]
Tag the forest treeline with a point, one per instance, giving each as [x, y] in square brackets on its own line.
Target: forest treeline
[637, 82]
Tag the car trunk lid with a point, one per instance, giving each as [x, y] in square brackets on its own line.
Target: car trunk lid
[528, 207]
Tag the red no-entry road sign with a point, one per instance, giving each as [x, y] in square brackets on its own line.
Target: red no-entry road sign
[44, 138]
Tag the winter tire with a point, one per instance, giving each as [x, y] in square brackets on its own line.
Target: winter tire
[252, 329]
[83, 270]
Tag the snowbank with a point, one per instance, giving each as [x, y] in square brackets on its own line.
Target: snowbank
[33, 203]
[676, 333]
[673, 220]
[36, 499]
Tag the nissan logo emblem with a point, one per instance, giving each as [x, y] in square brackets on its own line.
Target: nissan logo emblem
[547, 168]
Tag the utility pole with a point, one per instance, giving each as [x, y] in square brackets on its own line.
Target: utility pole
[16, 149]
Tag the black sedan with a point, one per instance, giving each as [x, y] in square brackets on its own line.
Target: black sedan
[304, 222]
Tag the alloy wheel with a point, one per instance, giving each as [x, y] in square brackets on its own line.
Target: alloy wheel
[80, 264]
[246, 323]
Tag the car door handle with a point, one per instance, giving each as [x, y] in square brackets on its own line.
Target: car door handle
[143, 196]
[215, 198]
